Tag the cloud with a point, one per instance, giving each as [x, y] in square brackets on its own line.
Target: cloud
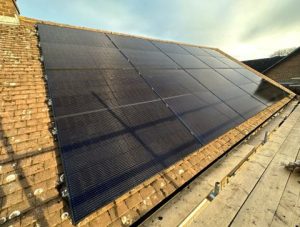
[241, 28]
[279, 16]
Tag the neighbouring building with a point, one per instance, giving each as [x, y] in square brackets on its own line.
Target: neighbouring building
[285, 70]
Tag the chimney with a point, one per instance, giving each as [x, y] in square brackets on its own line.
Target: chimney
[9, 12]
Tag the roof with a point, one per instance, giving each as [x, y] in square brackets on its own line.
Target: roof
[296, 51]
[262, 64]
[31, 163]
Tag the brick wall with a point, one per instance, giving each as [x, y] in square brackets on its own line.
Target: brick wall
[8, 8]
[286, 69]
[29, 160]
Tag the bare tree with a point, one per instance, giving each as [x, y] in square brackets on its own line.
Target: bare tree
[283, 52]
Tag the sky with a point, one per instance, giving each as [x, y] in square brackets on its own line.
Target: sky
[245, 29]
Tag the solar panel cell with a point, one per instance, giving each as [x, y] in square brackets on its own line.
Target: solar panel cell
[149, 59]
[188, 61]
[170, 48]
[196, 51]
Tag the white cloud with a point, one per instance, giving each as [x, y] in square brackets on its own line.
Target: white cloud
[245, 29]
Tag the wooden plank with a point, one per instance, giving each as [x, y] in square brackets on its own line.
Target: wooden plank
[223, 208]
[172, 213]
[258, 138]
[288, 211]
[260, 207]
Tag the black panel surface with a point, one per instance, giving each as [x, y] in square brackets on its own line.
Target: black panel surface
[65, 56]
[126, 108]
[234, 76]
[124, 42]
[113, 131]
[265, 92]
[230, 63]
[214, 53]
[245, 105]
[250, 75]
[170, 47]
[56, 34]
[149, 59]
[188, 61]
[195, 50]
[204, 113]
[77, 91]
[216, 83]
[207, 121]
[107, 153]
[170, 83]
[213, 62]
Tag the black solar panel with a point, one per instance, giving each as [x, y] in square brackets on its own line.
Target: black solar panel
[213, 62]
[126, 108]
[63, 35]
[214, 53]
[250, 75]
[245, 105]
[230, 63]
[188, 61]
[204, 113]
[65, 56]
[170, 48]
[216, 83]
[77, 91]
[150, 59]
[265, 92]
[233, 76]
[106, 153]
[126, 42]
[196, 51]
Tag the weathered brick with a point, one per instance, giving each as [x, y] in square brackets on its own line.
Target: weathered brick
[129, 218]
[147, 191]
[169, 189]
[118, 210]
[102, 220]
[133, 200]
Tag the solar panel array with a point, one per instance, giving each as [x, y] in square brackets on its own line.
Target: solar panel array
[126, 108]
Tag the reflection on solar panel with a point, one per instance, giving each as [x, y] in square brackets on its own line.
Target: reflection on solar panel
[126, 108]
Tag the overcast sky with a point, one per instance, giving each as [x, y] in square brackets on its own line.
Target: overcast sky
[245, 29]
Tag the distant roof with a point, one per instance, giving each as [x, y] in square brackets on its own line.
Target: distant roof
[265, 64]
[297, 50]
[262, 64]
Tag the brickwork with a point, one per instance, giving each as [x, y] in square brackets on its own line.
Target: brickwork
[8, 8]
[286, 69]
[29, 159]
